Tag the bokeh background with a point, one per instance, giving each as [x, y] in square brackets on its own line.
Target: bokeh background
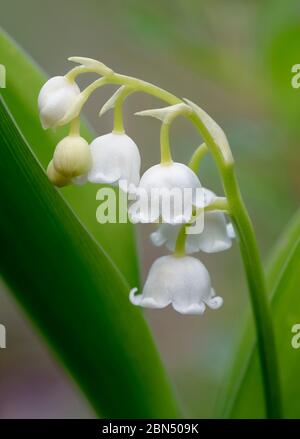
[232, 57]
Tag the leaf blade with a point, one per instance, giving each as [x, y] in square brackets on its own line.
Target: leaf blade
[24, 81]
[78, 299]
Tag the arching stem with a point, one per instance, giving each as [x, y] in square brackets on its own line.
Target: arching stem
[196, 158]
[118, 110]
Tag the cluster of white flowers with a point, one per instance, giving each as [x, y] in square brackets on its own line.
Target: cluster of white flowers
[177, 279]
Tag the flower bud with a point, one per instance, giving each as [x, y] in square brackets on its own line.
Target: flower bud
[55, 177]
[56, 98]
[72, 156]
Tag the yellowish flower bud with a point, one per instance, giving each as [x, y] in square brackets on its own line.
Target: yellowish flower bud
[55, 177]
[72, 156]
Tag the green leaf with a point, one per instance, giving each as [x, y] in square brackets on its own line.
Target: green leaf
[282, 251]
[242, 397]
[73, 292]
[278, 33]
[24, 81]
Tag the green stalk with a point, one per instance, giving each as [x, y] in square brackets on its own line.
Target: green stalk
[118, 119]
[258, 295]
[165, 150]
[180, 241]
[118, 111]
[196, 158]
[254, 272]
[75, 127]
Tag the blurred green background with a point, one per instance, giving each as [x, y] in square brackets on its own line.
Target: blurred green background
[234, 58]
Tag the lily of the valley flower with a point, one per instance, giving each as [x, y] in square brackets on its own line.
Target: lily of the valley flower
[183, 282]
[216, 236]
[56, 97]
[115, 157]
[72, 156]
[167, 177]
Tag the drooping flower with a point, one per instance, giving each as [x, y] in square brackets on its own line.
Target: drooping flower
[72, 156]
[183, 282]
[216, 235]
[115, 159]
[56, 98]
[174, 182]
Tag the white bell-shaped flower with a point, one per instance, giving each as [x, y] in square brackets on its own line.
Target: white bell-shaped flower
[167, 191]
[56, 98]
[216, 236]
[183, 282]
[115, 159]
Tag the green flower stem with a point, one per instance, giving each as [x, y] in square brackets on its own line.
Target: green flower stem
[196, 158]
[255, 277]
[180, 241]
[248, 246]
[75, 127]
[165, 150]
[220, 203]
[145, 87]
[258, 294]
[76, 71]
[118, 113]
[86, 93]
[118, 119]
[84, 96]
